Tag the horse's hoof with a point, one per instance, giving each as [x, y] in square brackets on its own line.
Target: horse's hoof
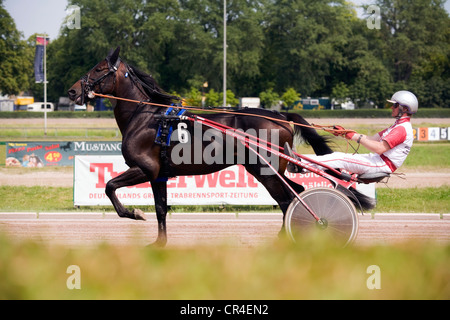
[139, 214]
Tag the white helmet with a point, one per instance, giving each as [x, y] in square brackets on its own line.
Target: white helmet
[406, 99]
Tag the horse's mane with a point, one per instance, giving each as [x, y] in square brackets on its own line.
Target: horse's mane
[150, 86]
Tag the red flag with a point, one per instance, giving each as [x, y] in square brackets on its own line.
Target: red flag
[40, 41]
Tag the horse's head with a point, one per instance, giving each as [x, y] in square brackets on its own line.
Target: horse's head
[101, 79]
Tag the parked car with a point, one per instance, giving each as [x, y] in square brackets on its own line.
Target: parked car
[39, 106]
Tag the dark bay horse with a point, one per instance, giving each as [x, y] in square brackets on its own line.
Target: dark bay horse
[149, 161]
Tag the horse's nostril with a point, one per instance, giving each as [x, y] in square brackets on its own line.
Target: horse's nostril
[72, 93]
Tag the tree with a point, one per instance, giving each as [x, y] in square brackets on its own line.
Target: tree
[415, 43]
[105, 24]
[340, 92]
[14, 65]
[303, 42]
[212, 98]
[199, 24]
[413, 31]
[290, 96]
[232, 101]
[194, 98]
[372, 82]
[245, 41]
[269, 98]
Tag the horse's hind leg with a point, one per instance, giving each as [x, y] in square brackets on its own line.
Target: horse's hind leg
[160, 195]
[130, 177]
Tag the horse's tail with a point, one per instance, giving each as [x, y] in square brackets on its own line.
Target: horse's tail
[359, 199]
[316, 141]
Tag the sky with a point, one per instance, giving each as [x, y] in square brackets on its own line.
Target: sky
[39, 16]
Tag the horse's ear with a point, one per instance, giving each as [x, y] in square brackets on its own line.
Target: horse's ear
[113, 56]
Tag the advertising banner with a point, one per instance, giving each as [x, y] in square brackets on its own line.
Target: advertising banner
[39, 58]
[56, 153]
[231, 186]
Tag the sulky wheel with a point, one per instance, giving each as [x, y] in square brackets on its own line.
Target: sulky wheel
[338, 217]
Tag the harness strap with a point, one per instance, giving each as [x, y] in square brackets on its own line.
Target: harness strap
[163, 136]
[165, 129]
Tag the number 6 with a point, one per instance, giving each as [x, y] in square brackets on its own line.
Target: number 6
[183, 134]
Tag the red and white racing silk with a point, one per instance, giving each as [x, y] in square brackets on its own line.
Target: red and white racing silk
[400, 138]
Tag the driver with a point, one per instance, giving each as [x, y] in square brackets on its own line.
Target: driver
[389, 148]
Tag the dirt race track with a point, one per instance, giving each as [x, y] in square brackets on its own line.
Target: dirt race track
[192, 229]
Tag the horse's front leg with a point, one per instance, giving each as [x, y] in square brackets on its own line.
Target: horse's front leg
[160, 195]
[130, 177]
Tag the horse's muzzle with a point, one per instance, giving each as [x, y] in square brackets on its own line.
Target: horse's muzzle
[72, 93]
[76, 97]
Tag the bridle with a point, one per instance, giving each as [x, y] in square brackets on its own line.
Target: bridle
[87, 86]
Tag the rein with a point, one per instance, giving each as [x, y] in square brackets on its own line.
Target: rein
[328, 129]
